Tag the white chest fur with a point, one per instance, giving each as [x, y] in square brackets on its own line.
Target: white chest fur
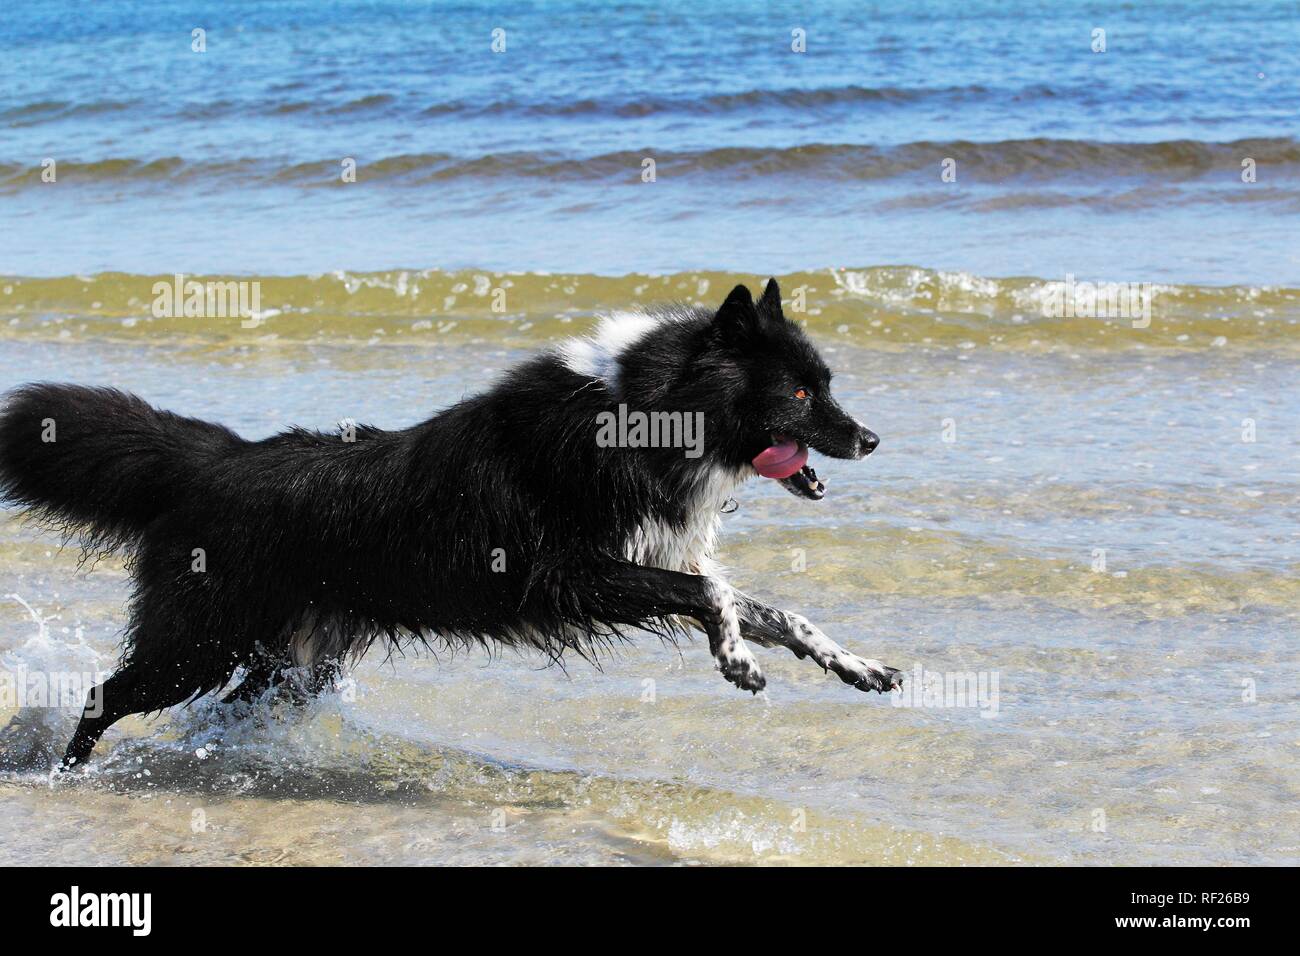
[688, 547]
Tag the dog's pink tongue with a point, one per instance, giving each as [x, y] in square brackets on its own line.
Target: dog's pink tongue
[781, 460]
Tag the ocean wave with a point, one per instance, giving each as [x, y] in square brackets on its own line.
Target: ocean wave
[120, 170]
[885, 307]
[1026, 160]
[846, 98]
[713, 103]
[615, 106]
[46, 111]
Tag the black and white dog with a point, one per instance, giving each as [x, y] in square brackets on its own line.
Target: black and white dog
[502, 519]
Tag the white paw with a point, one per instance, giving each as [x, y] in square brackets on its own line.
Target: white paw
[737, 664]
[866, 674]
[861, 672]
[733, 655]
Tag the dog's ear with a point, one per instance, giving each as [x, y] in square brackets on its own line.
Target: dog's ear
[737, 319]
[769, 306]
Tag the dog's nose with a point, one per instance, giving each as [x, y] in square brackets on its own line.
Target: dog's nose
[867, 441]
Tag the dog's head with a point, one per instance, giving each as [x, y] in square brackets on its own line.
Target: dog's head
[782, 393]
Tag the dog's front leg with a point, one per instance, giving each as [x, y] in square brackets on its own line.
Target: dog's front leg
[767, 625]
[625, 593]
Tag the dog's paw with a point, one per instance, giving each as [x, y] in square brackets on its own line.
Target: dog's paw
[737, 665]
[864, 674]
[879, 677]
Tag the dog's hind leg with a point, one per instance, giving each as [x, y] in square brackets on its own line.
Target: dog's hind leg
[301, 682]
[133, 689]
[264, 671]
[170, 660]
[767, 625]
[308, 681]
[618, 592]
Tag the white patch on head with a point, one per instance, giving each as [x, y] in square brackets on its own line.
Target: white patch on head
[690, 548]
[598, 355]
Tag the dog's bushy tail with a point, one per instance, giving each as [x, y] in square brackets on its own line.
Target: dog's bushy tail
[99, 462]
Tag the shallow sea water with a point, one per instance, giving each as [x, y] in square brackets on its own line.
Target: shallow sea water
[1138, 713]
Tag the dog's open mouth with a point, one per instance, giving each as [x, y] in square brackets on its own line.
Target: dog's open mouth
[804, 483]
[786, 460]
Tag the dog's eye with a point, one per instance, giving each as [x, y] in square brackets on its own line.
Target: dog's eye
[801, 393]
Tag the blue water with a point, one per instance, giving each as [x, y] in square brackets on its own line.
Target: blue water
[1125, 164]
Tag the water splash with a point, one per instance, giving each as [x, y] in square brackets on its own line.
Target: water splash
[47, 680]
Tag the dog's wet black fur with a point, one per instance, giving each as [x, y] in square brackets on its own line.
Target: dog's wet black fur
[498, 520]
